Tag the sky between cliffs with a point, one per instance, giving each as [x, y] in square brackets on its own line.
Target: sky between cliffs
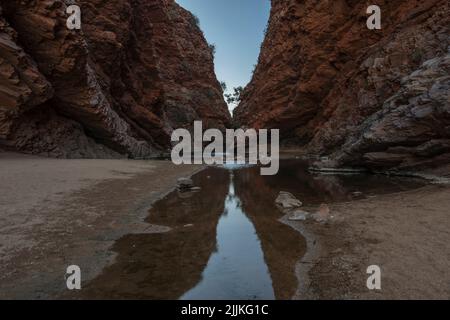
[236, 27]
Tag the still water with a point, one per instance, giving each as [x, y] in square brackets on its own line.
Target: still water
[237, 267]
[226, 241]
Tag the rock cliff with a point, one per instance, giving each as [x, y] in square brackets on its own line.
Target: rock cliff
[353, 96]
[135, 71]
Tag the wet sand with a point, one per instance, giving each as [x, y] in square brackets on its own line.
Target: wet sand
[54, 213]
[407, 234]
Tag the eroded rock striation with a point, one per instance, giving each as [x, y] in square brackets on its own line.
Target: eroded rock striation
[357, 97]
[118, 87]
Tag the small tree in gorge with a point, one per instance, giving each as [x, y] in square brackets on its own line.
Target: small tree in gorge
[223, 85]
[235, 97]
[212, 47]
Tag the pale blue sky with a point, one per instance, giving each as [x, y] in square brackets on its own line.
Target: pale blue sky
[236, 27]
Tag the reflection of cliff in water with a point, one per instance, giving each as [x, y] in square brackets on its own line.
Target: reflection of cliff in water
[314, 189]
[282, 245]
[237, 270]
[164, 266]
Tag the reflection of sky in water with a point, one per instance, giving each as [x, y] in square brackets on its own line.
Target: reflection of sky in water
[237, 163]
[235, 166]
[237, 269]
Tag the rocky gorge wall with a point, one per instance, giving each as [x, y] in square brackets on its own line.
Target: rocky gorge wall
[353, 96]
[118, 87]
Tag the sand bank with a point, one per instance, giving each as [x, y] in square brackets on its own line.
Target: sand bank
[54, 213]
[406, 234]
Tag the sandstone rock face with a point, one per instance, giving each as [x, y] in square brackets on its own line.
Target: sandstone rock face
[137, 70]
[373, 98]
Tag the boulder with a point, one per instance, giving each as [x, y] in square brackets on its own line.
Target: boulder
[185, 183]
[322, 214]
[299, 215]
[286, 200]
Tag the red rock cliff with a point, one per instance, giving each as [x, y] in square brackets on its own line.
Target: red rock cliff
[376, 98]
[137, 70]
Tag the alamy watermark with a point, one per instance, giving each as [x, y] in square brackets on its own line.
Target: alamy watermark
[73, 277]
[213, 147]
[374, 21]
[74, 20]
[374, 280]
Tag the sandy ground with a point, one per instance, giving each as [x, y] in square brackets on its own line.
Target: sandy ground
[406, 234]
[55, 213]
